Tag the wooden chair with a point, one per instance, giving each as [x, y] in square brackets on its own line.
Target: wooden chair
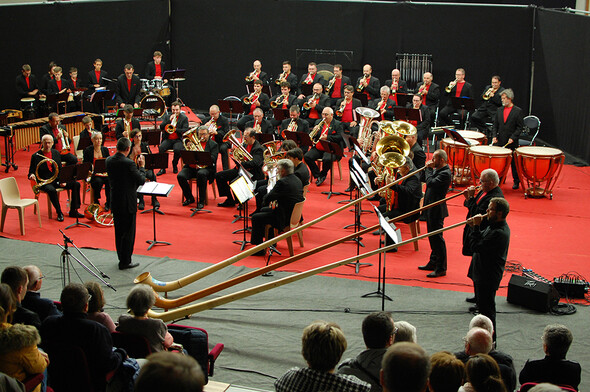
[293, 224]
[49, 209]
[213, 188]
[11, 199]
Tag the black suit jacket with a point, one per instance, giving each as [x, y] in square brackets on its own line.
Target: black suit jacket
[88, 154]
[46, 130]
[44, 82]
[490, 248]
[222, 127]
[409, 193]
[92, 79]
[322, 103]
[287, 192]
[554, 370]
[120, 126]
[212, 148]
[302, 172]
[510, 129]
[477, 205]
[302, 126]
[124, 178]
[44, 171]
[21, 85]
[419, 159]
[334, 132]
[437, 185]
[291, 100]
[402, 86]
[355, 104]
[432, 97]
[264, 103]
[150, 69]
[52, 87]
[344, 82]
[123, 94]
[467, 91]
[491, 105]
[181, 125]
[265, 126]
[317, 78]
[292, 79]
[372, 88]
[254, 166]
[263, 78]
[389, 105]
[44, 307]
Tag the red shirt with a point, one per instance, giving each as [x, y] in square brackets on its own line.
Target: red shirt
[28, 85]
[74, 81]
[58, 145]
[365, 90]
[507, 110]
[97, 73]
[347, 115]
[249, 147]
[424, 96]
[313, 113]
[129, 84]
[159, 70]
[48, 155]
[324, 132]
[336, 88]
[58, 84]
[459, 89]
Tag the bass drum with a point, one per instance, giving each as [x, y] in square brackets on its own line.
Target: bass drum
[153, 105]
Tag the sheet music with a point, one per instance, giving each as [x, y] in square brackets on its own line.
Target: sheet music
[386, 226]
[241, 189]
[155, 188]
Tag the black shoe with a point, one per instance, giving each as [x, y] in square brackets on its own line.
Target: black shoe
[374, 198]
[175, 170]
[474, 309]
[227, 203]
[436, 274]
[376, 232]
[60, 217]
[471, 300]
[75, 214]
[349, 189]
[200, 206]
[188, 201]
[427, 267]
[260, 253]
[127, 266]
[516, 185]
[141, 205]
[162, 171]
[392, 250]
[156, 204]
[320, 180]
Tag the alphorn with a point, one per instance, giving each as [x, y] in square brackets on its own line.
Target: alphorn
[165, 303]
[212, 303]
[159, 286]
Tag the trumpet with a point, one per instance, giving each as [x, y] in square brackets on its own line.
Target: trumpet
[256, 126]
[489, 94]
[251, 98]
[450, 86]
[238, 152]
[394, 86]
[251, 76]
[308, 79]
[279, 101]
[292, 127]
[316, 129]
[307, 105]
[422, 90]
[361, 86]
[381, 106]
[65, 143]
[39, 182]
[330, 84]
[170, 129]
[282, 78]
[340, 110]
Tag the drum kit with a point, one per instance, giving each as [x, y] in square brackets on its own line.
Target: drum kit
[155, 91]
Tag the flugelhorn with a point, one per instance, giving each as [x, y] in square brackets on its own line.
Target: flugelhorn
[251, 98]
[282, 78]
[238, 152]
[361, 86]
[279, 101]
[489, 93]
[340, 110]
[330, 84]
[307, 104]
[422, 90]
[39, 182]
[251, 76]
[65, 143]
[292, 127]
[450, 86]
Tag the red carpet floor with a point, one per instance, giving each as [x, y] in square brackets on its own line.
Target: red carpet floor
[548, 236]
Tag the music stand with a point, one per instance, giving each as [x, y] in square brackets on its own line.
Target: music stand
[57, 99]
[407, 114]
[99, 96]
[280, 114]
[264, 137]
[230, 106]
[361, 97]
[153, 162]
[301, 138]
[199, 158]
[155, 189]
[402, 99]
[336, 150]
[306, 89]
[461, 104]
[243, 192]
[83, 142]
[176, 76]
[456, 136]
[153, 137]
[71, 173]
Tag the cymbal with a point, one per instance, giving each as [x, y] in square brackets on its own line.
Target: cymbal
[178, 79]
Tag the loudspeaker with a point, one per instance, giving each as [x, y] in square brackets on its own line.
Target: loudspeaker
[531, 293]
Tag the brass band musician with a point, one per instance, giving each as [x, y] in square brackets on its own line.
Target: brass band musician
[396, 84]
[491, 101]
[430, 93]
[26, 83]
[345, 111]
[313, 105]
[218, 126]
[335, 86]
[257, 74]
[97, 180]
[456, 88]
[260, 124]
[284, 100]
[128, 85]
[423, 125]
[326, 129]
[384, 104]
[294, 123]
[310, 78]
[125, 125]
[174, 125]
[139, 148]
[368, 84]
[256, 99]
[60, 138]
[287, 75]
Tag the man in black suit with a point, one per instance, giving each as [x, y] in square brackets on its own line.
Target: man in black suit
[44, 82]
[254, 166]
[60, 138]
[155, 69]
[313, 105]
[490, 248]
[26, 83]
[46, 171]
[287, 75]
[33, 301]
[478, 204]
[396, 84]
[368, 84]
[491, 101]
[218, 127]
[438, 180]
[125, 125]
[430, 93]
[295, 155]
[202, 174]
[459, 88]
[96, 79]
[124, 178]
[260, 124]
[508, 124]
[257, 99]
[283, 101]
[173, 140]
[286, 193]
[57, 85]
[335, 86]
[16, 278]
[419, 158]
[128, 86]
[311, 77]
[97, 180]
[301, 125]
[346, 112]
[554, 368]
[257, 74]
[329, 130]
[384, 104]
[423, 126]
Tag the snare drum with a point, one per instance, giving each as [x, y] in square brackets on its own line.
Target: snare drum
[458, 154]
[480, 137]
[490, 157]
[157, 84]
[165, 91]
[153, 104]
[538, 165]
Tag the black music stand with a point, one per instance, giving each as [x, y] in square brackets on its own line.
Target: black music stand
[456, 136]
[280, 114]
[153, 138]
[388, 230]
[361, 97]
[7, 133]
[99, 96]
[230, 106]
[462, 104]
[57, 99]
[81, 91]
[301, 138]
[176, 76]
[306, 89]
[264, 137]
[336, 150]
[357, 180]
[155, 189]
[198, 158]
[83, 142]
[71, 173]
[243, 192]
[248, 177]
[402, 99]
[153, 162]
[407, 114]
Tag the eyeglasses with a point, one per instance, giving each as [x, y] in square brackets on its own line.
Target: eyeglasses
[41, 277]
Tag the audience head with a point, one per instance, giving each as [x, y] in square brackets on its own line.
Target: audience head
[285, 167]
[406, 332]
[557, 339]
[166, 371]
[16, 277]
[484, 374]
[447, 373]
[7, 303]
[74, 298]
[405, 368]
[545, 387]
[141, 298]
[378, 330]
[323, 344]
[35, 277]
[482, 321]
[478, 340]
[97, 301]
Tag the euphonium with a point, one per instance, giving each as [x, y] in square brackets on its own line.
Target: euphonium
[192, 136]
[363, 80]
[279, 101]
[282, 78]
[307, 104]
[238, 152]
[251, 98]
[39, 182]
[367, 119]
[330, 84]
[450, 86]
[340, 110]
[272, 154]
[316, 129]
[292, 127]
[489, 94]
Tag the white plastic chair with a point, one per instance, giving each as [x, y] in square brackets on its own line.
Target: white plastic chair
[11, 199]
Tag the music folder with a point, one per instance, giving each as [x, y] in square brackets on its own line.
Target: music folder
[152, 137]
[100, 166]
[407, 114]
[241, 189]
[83, 142]
[280, 114]
[300, 138]
[230, 105]
[463, 103]
[360, 152]
[153, 188]
[264, 137]
[201, 158]
[332, 148]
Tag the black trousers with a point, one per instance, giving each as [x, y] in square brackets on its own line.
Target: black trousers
[266, 216]
[202, 176]
[223, 178]
[51, 190]
[124, 236]
[223, 147]
[479, 119]
[149, 174]
[312, 156]
[97, 182]
[485, 297]
[172, 144]
[438, 254]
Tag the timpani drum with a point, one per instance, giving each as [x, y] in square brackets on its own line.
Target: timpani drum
[474, 135]
[490, 157]
[539, 167]
[153, 104]
[458, 154]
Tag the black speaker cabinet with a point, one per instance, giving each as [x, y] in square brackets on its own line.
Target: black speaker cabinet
[531, 293]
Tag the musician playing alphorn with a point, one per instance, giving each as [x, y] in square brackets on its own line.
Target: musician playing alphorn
[46, 171]
[125, 125]
[202, 174]
[313, 105]
[174, 125]
[368, 84]
[97, 180]
[218, 127]
[60, 138]
[139, 148]
[311, 77]
[329, 130]
[456, 88]
[335, 86]
[491, 101]
[128, 86]
[345, 112]
[256, 99]
[384, 104]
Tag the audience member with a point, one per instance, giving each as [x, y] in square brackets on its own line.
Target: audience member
[17, 279]
[378, 333]
[554, 368]
[405, 368]
[482, 321]
[19, 355]
[322, 347]
[483, 375]
[96, 306]
[447, 373]
[545, 387]
[406, 332]
[42, 306]
[167, 371]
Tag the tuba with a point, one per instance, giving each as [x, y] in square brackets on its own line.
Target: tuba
[392, 152]
[239, 153]
[450, 86]
[403, 128]
[39, 182]
[272, 154]
[251, 98]
[365, 132]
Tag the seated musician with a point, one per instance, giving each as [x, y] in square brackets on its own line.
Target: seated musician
[457, 88]
[491, 101]
[329, 130]
[418, 154]
[74, 83]
[123, 126]
[60, 138]
[346, 114]
[155, 69]
[259, 123]
[26, 83]
[294, 124]
[311, 77]
[430, 93]
[313, 105]
[174, 125]
[257, 74]
[88, 125]
[403, 197]
[335, 86]
[287, 192]
[127, 88]
[287, 75]
[254, 166]
[218, 126]
[46, 171]
[423, 125]
[284, 100]
[202, 174]
[396, 85]
[295, 155]
[96, 79]
[97, 180]
[384, 104]
[368, 84]
[252, 101]
[139, 147]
